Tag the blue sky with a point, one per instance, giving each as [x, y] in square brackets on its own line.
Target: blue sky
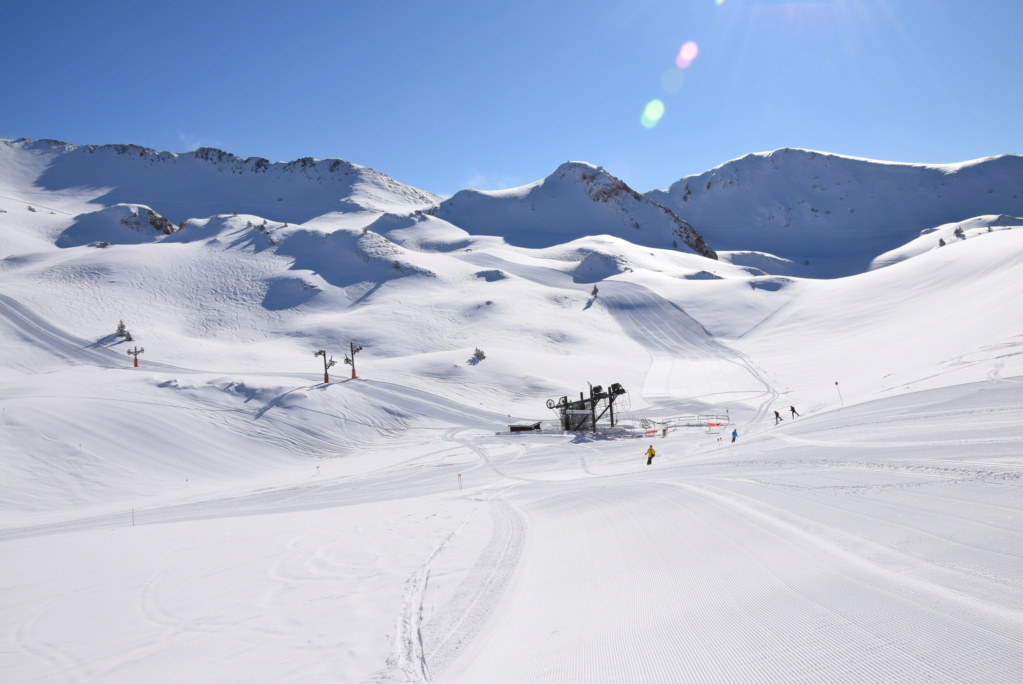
[451, 94]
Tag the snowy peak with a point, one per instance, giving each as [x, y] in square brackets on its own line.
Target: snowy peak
[575, 201]
[206, 182]
[599, 184]
[803, 204]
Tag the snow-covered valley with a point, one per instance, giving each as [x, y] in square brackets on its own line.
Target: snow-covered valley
[220, 513]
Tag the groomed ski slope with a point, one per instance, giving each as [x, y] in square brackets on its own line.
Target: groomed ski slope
[875, 543]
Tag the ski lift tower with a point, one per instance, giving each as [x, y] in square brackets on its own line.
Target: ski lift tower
[582, 415]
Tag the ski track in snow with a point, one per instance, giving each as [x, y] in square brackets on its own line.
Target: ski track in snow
[52, 338]
[679, 345]
[783, 616]
[458, 622]
[408, 662]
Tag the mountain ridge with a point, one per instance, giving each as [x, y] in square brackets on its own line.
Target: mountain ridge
[576, 200]
[803, 204]
[219, 182]
[776, 211]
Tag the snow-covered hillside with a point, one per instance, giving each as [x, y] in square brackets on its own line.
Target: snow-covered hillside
[576, 200]
[220, 513]
[200, 183]
[837, 212]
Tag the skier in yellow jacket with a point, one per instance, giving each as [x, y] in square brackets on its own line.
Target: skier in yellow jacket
[650, 453]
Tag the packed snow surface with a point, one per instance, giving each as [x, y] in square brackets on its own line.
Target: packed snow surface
[220, 513]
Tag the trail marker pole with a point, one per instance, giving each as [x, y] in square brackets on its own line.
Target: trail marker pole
[133, 517]
[839, 393]
[459, 480]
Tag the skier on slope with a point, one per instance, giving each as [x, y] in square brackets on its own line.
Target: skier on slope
[793, 409]
[735, 434]
[650, 453]
[777, 418]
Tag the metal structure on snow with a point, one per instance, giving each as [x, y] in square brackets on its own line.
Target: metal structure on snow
[582, 415]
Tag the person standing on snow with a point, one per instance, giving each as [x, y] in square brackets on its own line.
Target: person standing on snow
[735, 433]
[777, 417]
[793, 409]
[650, 453]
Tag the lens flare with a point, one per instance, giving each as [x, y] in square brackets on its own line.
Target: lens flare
[686, 54]
[652, 113]
[672, 80]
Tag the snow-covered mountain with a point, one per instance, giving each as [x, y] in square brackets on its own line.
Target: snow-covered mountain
[575, 201]
[204, 182]
[804, 205]
[221, 513]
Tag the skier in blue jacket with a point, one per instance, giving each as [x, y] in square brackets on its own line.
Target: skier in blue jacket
[735, 433]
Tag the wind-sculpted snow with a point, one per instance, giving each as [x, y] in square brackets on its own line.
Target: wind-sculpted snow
[119, 224]
[950, 233]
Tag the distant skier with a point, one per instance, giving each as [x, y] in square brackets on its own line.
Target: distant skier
[735, 433]
[650, 453]
[777, 418]
[793, 409]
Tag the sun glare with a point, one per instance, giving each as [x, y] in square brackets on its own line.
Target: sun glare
[652, 113]
[686, 54]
